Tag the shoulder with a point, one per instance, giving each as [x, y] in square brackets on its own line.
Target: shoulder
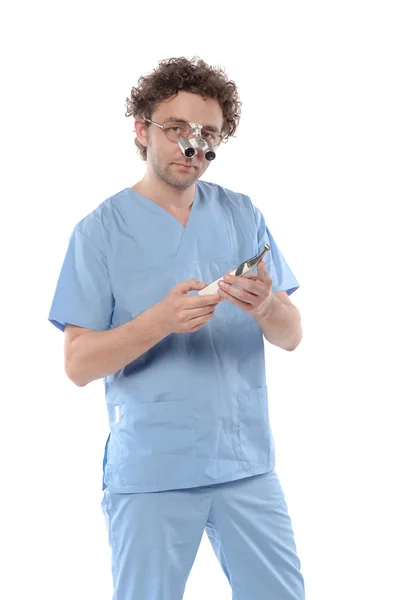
[238, 204]
[226, 195]
[95, 224]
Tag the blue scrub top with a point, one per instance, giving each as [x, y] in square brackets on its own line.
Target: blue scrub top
[193, 410]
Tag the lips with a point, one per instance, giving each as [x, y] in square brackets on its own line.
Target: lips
[185, 165]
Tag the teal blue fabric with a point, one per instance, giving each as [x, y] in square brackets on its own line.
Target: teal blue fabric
[154, 539]
[193, 410]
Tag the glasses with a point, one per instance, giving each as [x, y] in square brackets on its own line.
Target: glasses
[177, 129]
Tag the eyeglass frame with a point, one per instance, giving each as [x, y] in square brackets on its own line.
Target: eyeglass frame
[193, 126]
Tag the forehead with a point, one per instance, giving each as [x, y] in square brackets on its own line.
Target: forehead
[191, 108]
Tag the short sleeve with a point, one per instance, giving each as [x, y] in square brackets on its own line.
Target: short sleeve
[282, 277]
[83, 294]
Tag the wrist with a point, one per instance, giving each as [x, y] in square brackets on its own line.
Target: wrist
[265, 309]
[157, 316]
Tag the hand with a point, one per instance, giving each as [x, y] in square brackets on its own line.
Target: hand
[181, 313]
[255, 294]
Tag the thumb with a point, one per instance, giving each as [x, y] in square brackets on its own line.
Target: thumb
[261, 269]
[190, 284]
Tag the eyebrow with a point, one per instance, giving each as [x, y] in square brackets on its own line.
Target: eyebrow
[174, 119]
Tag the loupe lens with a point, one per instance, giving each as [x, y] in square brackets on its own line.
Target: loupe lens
[189, 152]
[210, 155]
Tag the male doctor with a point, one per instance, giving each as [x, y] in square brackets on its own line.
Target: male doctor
[190, 447]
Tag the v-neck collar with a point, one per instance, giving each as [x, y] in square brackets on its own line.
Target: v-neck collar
[158, 208]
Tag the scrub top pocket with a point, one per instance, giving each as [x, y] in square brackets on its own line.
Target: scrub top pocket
[159, 442]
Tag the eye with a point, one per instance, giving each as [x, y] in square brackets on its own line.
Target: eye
[176, 130]
[209, 135]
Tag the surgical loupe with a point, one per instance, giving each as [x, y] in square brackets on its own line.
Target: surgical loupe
[188, 146]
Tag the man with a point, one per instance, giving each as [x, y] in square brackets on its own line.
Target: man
[190, 446]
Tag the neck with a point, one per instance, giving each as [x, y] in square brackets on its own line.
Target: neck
[164, 194]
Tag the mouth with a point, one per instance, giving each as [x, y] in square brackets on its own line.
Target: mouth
[185, 166]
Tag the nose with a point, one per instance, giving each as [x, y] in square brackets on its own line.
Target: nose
[191, 136]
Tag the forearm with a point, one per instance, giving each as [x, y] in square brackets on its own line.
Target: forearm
[95, 354]
[281, 324]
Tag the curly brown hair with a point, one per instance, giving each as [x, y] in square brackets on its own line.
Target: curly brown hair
[195, 76]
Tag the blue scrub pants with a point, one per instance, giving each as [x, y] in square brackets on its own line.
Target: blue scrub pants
[155, 537]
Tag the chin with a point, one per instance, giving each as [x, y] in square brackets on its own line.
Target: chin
[182, 185]
[185, 180]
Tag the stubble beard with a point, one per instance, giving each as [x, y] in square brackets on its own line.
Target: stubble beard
[165, 173]
[181, 182]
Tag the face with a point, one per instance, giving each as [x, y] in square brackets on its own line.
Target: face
[164, 157]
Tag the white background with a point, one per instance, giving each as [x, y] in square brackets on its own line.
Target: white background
[317, 151]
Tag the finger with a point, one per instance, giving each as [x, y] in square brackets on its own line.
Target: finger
[198, 321]
[246, 282]
[239, 298]
[189, 285]
[200, 310]
[235, 294]
[206, 312]
[263, 273]
[201, 301]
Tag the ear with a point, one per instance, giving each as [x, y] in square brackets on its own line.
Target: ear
[141, 132]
